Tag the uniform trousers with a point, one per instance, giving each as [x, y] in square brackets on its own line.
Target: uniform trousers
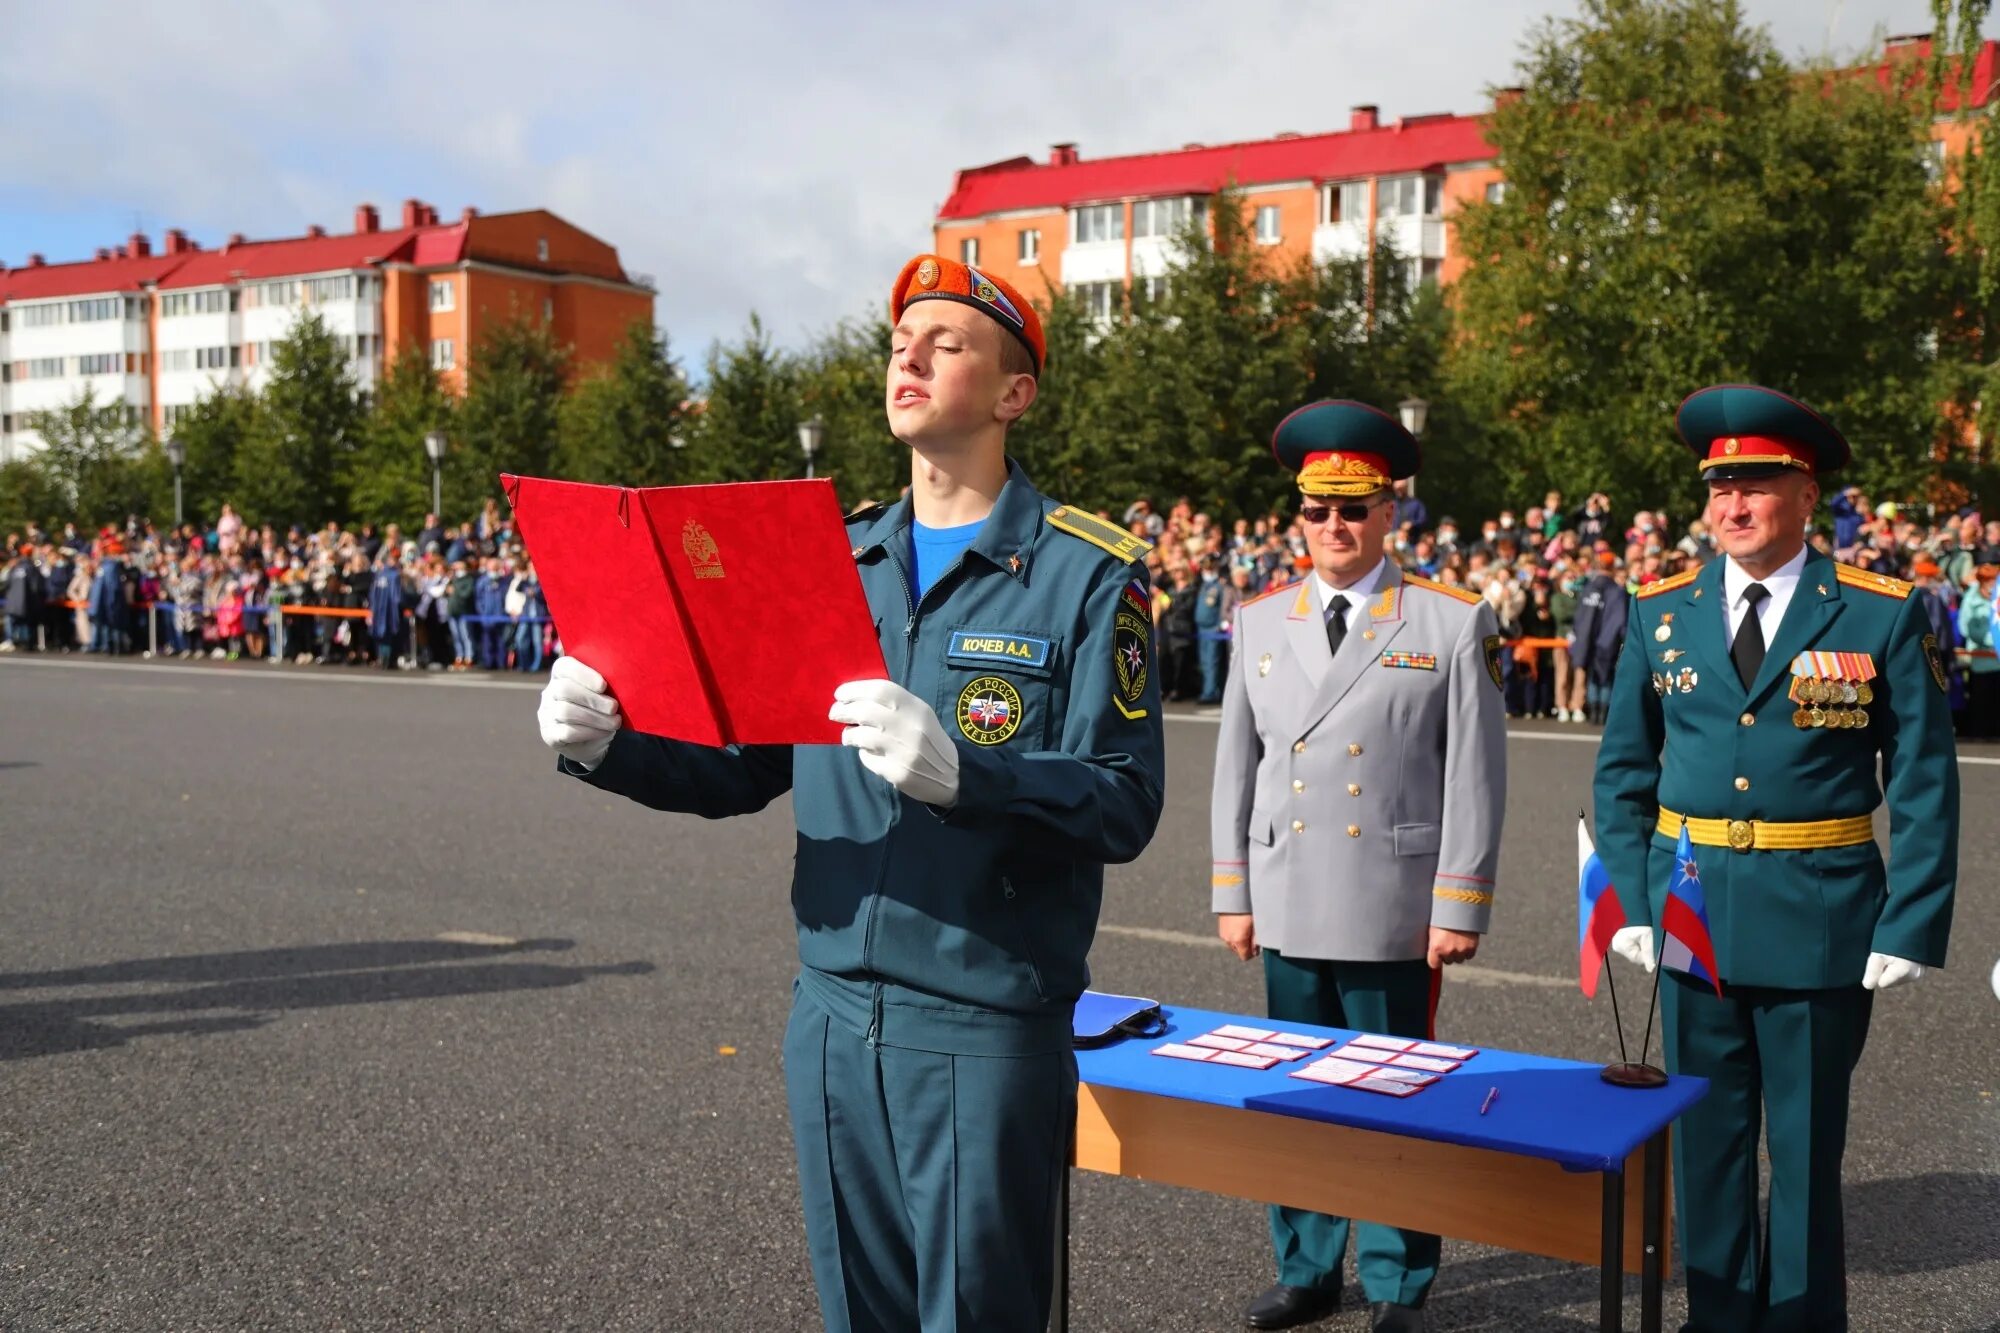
[1788, 1054]
[930, 1181]
[1396, 999]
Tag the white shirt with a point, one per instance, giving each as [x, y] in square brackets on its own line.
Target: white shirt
[1771, 614]
[1357, 594]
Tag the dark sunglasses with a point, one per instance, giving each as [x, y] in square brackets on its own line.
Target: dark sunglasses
[1354, 511]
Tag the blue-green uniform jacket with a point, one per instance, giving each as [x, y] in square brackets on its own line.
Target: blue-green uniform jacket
[1798, 919]
[963, 930]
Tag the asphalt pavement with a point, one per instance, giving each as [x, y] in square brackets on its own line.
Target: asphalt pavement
[326, 1004]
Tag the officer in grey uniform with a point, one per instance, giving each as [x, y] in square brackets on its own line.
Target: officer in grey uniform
[1360, 781]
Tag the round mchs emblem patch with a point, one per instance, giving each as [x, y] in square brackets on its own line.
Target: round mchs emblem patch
[927, 274]
[989, 711]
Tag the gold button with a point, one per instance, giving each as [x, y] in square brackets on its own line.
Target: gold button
[1743, 784]
[1298, 747]
[1748, 720]
[1354, 749]
[1298, 826]
[1353, 789]
[1354, 830]
[1368, 634]
[1297, 785]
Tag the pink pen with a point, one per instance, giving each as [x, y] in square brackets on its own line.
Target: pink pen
[1486, 1105]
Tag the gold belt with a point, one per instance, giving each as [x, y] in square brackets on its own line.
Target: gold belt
[1764, 835]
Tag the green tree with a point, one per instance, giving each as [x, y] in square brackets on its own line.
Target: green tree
[1684, 208]
[842, 379]
[213, 432]
[623, 424]
[292, 463]
[100, 462]
[511, 417]
[389, 473]
[748, 429]
[28, 494]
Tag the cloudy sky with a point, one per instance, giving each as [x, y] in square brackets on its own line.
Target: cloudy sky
[782, 156]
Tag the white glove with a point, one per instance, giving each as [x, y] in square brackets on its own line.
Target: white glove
[900, 739]
[578, 715]
[1635, 943]
[1885, 970]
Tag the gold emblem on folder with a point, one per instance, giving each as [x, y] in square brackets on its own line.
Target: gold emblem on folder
[701, 550]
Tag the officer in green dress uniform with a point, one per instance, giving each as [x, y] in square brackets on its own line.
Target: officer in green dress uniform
[951, 850]
[1360, 781]
[1756, 698]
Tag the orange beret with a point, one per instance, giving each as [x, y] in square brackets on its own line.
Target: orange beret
[935, 278]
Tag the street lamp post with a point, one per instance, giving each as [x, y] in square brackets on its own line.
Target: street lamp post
[812, 433]
[177, 454]
[1413, 411]
[434, 446]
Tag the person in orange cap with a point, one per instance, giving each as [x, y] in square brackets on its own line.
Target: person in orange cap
[951, 850]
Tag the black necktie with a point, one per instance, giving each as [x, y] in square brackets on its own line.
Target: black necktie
[1748, 650]
[1336, 623]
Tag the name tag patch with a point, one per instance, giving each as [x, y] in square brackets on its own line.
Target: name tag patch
[1396, 657]
[981, 646]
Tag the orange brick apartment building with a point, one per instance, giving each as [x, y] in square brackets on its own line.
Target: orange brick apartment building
[156, 331]
[1101, 227]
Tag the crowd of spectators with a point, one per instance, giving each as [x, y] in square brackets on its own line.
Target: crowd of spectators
[446, 599]
[1557, 576]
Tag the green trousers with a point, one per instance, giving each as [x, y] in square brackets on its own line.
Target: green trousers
[930, 1181]
[1394, 999]
[1788, 1055]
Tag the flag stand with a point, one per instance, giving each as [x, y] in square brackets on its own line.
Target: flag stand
[1626, 1074]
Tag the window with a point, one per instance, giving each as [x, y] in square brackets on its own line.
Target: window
[1100, 299]
[180, 358]
[6, 423]
[100, 363]
[443, 356]
[279, 293]
[1347, 202]
[214, 301]
[41, 316]
[1028, 246]
[548, 310]
[175, 413]
[1267, 225]
[1148, 291]
[89, 312]
[1101, 222]
[340, 288]
[1165, 217]
[542, 248]
[968, 250]
[1933, 160]
[444, 294]
[45, 368]
[3, 321]
[1412, 196]
[216, 358]
[1496, 191]
[1422, 272]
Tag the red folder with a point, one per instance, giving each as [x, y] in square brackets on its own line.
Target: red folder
[718, 614]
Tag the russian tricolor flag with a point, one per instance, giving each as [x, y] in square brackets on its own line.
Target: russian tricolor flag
[1688, 947]
[1599, 914]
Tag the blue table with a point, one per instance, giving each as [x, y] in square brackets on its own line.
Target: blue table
[1519, 1176]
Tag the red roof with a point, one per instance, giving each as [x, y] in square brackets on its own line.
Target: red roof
[1417, 144]
[92, 275]
[255, 260]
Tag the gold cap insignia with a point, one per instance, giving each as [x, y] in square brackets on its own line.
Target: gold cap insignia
[1731, 447]
[927, 274]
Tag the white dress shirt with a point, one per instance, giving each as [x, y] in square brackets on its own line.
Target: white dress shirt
[1358, 594]
[1771, 614]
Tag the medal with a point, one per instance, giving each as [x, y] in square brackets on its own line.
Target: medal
[1688, 680]
[1672, 655]
[1848, 694]
[1801, 719]
[1818, 717]
[1666, 629]
[1659, 684]
[1863, 695]
[1860, 716]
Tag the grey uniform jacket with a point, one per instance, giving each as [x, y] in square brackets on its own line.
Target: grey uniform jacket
[1358, 804]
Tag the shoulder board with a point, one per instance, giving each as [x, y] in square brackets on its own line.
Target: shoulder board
[1876, 583]
[1106, 536]
[1267, 594]
[1466, 595]
[866, 514]
[1680, 580]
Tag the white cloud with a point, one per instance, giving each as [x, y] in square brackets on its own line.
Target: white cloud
[777, 156]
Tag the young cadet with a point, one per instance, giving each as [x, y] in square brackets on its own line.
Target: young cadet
[1360, 780]
[1756, 698]
[951, 850]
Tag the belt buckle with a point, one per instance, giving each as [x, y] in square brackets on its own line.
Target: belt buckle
[1742, 837]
